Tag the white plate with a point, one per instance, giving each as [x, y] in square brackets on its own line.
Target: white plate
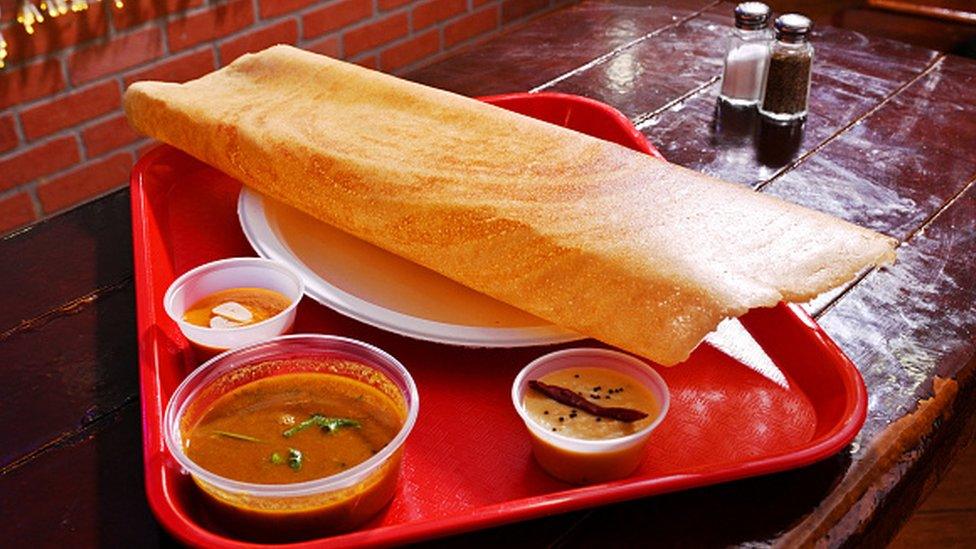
[374, 286]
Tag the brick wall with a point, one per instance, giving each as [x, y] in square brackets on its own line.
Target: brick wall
[63, 137]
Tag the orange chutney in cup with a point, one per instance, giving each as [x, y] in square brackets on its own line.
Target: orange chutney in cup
[292, 428]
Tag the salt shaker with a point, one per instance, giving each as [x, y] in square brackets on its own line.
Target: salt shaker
[786, 91]
[745, 62]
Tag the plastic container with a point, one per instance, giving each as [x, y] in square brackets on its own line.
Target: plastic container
[236, 272]
[287, 512]
[581, 461]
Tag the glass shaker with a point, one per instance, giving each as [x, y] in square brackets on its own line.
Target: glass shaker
[787, 84]
[745, 62]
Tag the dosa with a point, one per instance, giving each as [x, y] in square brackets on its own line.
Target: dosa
[636, 252]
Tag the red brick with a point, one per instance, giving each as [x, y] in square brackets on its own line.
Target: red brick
[109, 135]
[178, 68]
[326, 46]
[120, 53]
[470, 26]
[89, 181]
[56, 34]
[412, 50]
[370, 62]
[8, 136]
[476, 3]
[67, 110]
[433, 11]
[29, 164]
[387, 5]
[374, 34]
[15, 211]
[214, 22]
[139, 11]
[30, 82]
[271, 8]
[516, 9]
[285, 32]
[335, 16]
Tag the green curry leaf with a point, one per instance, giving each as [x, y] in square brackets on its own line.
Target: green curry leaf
[294, 459]
[328, 424]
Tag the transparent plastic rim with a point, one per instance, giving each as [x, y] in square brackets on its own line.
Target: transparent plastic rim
[184, 395]
[587, 445]
[222, 263]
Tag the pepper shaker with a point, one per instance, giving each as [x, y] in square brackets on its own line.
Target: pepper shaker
[746, 57]
[786, 91]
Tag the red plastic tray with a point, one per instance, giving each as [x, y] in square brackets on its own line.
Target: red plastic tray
[468, 464]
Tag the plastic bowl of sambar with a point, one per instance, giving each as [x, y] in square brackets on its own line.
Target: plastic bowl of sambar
[297, 437]
[589, 412]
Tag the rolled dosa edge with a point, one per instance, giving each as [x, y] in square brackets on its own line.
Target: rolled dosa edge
[613, 244]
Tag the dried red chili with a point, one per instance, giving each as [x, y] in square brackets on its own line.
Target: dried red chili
[570, 398]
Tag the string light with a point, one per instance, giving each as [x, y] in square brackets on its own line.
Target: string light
[54, 8]
[3, 51]
[30, 15]
[3, 46]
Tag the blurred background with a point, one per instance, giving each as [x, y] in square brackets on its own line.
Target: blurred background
[944, 25]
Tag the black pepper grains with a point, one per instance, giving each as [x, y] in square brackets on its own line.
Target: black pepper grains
[787, 83]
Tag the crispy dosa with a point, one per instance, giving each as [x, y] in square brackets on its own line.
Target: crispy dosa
[636, 252]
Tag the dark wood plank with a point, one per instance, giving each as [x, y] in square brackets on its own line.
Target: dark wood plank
[957, 489]
[941, 35]
[947, 516]
[909, 322]
[852, 73]
[85, 493]
[659, 70]
[56, 261]
[947, 529]
[895, 168]
[59, 376]
[720, 516]
[553, 45]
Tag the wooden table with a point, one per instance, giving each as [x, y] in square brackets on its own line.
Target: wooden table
[889, 144]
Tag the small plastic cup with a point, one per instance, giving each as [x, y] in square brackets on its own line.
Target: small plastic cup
[236, 272]
[302, 510]
[585, 461]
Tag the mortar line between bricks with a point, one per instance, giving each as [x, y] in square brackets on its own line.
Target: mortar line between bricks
[164, 37]
[82, 149]
[613, 53]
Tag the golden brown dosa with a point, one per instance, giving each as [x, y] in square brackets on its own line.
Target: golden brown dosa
[594, 237]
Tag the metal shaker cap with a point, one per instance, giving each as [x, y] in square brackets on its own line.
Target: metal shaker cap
[792, 27]
[751, 15]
